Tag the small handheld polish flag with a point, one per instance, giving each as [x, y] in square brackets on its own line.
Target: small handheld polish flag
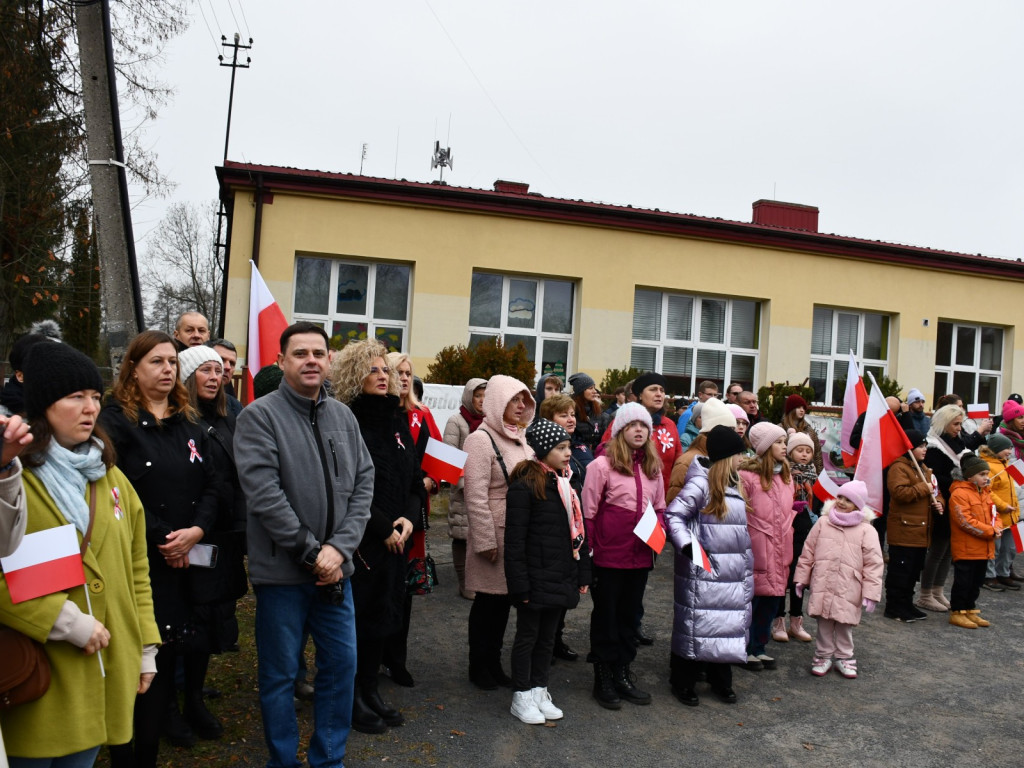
[443, 461]
[825, 488]
[1016, 471]
[46, 562]
[978, 411]
[650, 531]
[1018, 536]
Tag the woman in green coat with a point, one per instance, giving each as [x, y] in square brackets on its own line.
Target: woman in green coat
[69, 459]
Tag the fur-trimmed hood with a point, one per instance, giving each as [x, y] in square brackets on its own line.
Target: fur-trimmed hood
[867, 512]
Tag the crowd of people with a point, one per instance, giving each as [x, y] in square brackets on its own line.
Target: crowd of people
[316, 491]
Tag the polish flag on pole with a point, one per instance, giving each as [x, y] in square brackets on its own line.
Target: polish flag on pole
[443, 461]
[650, 531]
[978, 411]
[266, 324]
[855, 402]
[1016, 471]
[882, 442]
[825, 488]
[1018, 536]
[46, 562]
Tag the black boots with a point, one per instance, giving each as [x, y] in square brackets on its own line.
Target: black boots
[203, 722]
[391, 716]
[623, 682]
[604, 687]
[364, 719]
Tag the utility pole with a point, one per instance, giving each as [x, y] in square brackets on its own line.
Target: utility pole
[221, 248]
[119, 273]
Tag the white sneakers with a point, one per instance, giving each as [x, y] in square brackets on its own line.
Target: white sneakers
[847, 668]
[534, 707]
[820, 666]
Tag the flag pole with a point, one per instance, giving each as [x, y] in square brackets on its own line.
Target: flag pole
[99, 652]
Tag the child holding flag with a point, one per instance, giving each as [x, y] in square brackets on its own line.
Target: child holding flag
[768, 486]
[973, 529]
[621, 484]
[842, 563]
[999, 454]
[707, 523]
[547, 563]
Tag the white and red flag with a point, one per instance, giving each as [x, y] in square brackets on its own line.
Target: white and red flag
[45, 562]
[1018, 536]
[978, 411]
[855, 402]
[266, 324]
[443, 461]
[825, 488]
[700, 557]
[650, 531]
[882, 442]
[1016, 471]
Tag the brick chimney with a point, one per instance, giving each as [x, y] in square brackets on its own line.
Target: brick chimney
[512, 187]
[773, 213]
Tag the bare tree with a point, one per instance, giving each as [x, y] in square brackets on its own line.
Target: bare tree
[180, 271]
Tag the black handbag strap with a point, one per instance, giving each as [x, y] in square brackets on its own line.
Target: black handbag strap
[501, 461]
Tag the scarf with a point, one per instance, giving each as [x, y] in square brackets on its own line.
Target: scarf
[571, 502]
[472, 419]
[940, 444]
[845, 519]
[65, 473]
[1017, 440]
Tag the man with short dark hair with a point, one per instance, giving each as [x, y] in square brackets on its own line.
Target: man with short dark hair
[191, 330]
[308, 481]
[705, 391]
[229, 356]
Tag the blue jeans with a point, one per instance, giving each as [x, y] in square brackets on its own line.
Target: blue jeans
[83, 759]
[282, 613]
[1003, 561]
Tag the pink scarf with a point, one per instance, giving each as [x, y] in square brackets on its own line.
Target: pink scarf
[845, 519]
[571, 502]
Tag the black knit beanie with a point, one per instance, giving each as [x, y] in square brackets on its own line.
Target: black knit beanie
[53, 371]
[543, 435]
[267, 380]
[723, 442]
[642, 382]
[970, 465]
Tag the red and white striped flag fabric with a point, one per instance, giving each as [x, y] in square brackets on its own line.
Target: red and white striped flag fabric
[266, 324]
[700, 557]
[443, 461]
[978, 411]
[650, 531]
[825, 488]
[882, 442]
[1016, 471]
[1018, 536]
[45, 562]
[855, 402]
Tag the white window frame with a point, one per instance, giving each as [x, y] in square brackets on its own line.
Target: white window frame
[332, 316]
[541, 336]
[838, 360]
[695, 344]
[976, 369]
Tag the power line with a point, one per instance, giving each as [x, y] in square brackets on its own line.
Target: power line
[214, 12]
[213, 37]
[232, 9]
[241, 10]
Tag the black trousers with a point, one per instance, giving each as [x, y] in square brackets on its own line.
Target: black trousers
[905, 564]
[683, 673]
[487, 621]
[617, 595]
[968, 576]
[531, 650]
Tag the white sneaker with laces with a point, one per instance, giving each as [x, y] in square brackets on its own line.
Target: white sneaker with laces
[525, 708]
[542, 699]
[847, 668]
[820, 666]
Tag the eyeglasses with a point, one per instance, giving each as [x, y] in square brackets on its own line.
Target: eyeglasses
[374, 369]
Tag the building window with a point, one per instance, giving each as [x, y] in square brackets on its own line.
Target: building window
[689, 339]
[537, 313]
[354, 300]
[968, 361]
[834, 334]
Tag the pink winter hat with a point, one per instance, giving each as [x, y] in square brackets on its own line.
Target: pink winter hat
[798, 438]
[1012, 410]
[738, 412]
[856, 491]
[763, 434]
[627, 414]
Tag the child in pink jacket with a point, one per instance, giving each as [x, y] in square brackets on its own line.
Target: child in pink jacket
[842, 564]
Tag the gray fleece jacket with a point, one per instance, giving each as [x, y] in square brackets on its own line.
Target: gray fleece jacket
[285, 476]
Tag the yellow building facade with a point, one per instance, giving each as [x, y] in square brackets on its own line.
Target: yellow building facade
[587, 287]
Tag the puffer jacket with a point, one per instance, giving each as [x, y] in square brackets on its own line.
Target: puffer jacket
[1004, 494]
[539, 565]
[842, 565]
[455, 433]
[972, 536]
[711, 610]
[682, 467]
[486, 485]
[770, 521]
[910, 505]
[613, 504]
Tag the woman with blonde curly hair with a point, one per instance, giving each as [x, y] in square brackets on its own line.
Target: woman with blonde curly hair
[363, 380]
[163, 451]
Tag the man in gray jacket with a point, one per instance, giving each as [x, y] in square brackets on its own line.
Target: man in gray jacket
[308, 481]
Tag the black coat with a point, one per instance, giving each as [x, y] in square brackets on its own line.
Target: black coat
[539, 565]
[942, 467]
[177, 491]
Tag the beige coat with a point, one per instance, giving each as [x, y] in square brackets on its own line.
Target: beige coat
[455, 433]
[486, 487]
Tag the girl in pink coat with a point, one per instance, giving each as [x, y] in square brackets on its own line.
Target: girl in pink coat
[842, 564]
[768, 486]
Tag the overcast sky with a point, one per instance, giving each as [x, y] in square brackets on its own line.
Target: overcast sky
[900, 120]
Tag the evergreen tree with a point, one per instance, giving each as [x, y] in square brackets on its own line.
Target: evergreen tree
[80, 298]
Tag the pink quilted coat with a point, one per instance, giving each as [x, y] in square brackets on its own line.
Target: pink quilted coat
[770, 522]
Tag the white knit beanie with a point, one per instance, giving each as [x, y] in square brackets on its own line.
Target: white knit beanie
[190, 359]
[716, 412]
[627, 414]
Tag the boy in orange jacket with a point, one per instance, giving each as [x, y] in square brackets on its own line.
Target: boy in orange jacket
[973, 529]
